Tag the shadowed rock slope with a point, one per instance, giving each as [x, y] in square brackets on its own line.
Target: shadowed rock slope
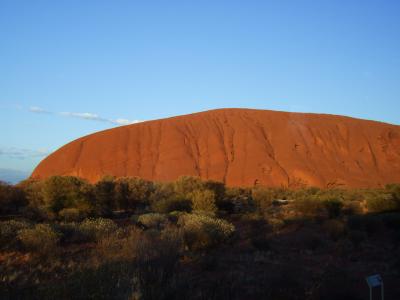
[241, 147]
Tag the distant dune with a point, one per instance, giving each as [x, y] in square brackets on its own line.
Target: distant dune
[241, 147]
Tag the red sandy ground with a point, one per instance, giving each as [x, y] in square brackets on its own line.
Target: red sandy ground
[240, 147]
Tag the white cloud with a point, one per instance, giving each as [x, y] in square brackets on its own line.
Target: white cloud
[38, 110]
[22, 153]
[84, 115]
[125, 121]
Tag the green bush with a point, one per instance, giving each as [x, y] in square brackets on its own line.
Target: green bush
[202, 231]
[42, 239]
[96, 229]
[153, 220]
[9, 231]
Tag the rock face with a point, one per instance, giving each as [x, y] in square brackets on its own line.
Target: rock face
[241, 147]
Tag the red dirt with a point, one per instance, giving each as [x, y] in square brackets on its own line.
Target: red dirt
[240, 147]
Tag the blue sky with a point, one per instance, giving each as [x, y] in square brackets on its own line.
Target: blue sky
[69, 68]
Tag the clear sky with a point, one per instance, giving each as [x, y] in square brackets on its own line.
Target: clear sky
[69, 68]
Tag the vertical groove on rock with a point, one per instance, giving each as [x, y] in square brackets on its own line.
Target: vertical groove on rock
[239, 147]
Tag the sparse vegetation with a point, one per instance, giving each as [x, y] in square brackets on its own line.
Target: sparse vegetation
[128, 238]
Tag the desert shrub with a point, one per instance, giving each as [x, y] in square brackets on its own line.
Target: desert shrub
[9, 231]
[172, 203]
[134, 218]
[38, 213]
[204, 201]
[72, 214]
[12, 198]
[96, 229]
[352, 208]
[255, 224]
[238, 200]
[334, 228]
[71, 232]
[119, 247]
[157, 258]
[186, 185]
[276, 223]
[380, 202]
[305, 193]
[309, 207]
[263, 198]
[394, 190]
[333, 206]
[42, 238]
[174, 216]
[218, 188]
[202, 231]
[65, 192]
[153, 220]
[33, 190]
[131, 193]
[109, 280]
[104, 195]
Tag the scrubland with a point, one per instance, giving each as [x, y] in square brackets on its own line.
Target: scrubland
[128, 238]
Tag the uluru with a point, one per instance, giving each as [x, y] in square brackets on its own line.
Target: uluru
[240, 147]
